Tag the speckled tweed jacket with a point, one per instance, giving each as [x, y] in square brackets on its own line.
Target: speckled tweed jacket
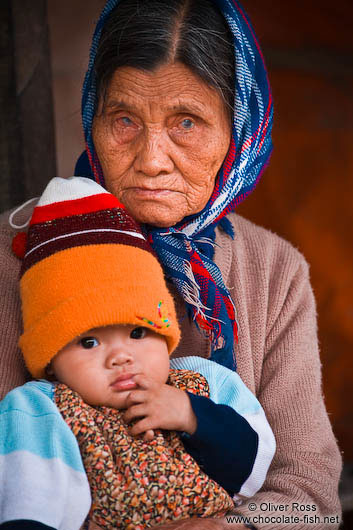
[277, 358]
[136, 484]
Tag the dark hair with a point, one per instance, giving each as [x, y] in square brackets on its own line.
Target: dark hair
[145, 34]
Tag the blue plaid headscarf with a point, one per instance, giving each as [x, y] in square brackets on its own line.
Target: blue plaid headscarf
[185, 261]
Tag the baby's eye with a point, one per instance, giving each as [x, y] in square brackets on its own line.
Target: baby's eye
[138, 333]
[89, 342]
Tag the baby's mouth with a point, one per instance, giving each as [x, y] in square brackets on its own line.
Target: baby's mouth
[124, 382]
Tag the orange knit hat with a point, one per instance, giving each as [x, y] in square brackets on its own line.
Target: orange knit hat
[87, 264]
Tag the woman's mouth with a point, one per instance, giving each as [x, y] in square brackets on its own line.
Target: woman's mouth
[146, 193]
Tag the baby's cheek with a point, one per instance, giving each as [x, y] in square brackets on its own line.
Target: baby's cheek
[162, 370]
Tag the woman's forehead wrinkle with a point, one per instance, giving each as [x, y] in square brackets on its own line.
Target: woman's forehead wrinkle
[178, 107]
[187, 104]
[177, 83]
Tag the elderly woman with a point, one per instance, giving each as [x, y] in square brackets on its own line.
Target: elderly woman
[177, 114]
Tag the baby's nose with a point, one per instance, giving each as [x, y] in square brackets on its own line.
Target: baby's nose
[118, 357]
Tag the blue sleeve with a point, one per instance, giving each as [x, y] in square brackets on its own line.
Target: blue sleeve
[224, 444]
[24, 524]
[233, 443]
[42, 478]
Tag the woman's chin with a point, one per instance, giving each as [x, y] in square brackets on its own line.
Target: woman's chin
[158, 215]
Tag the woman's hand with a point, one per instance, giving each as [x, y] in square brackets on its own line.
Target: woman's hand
[198, 523]
[160, 406]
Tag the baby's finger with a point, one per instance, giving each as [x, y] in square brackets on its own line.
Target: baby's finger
[149, 435]
[135, 411]
[144, 425]
[135, 396]
[143, 382]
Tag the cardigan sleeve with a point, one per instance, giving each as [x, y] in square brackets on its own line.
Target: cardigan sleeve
[301, 487]
[12, 367]
[233, 442]
[42, 478]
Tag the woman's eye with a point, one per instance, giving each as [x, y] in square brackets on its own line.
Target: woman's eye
[125, 121]
[138, 333]
[125, 128]
[89, 342]
[187, 124]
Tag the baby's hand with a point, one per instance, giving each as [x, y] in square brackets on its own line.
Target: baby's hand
[159, 406]
[149, 435]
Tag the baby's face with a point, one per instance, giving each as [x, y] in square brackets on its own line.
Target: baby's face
[101, 364]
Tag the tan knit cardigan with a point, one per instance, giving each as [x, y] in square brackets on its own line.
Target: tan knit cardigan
[277, 358]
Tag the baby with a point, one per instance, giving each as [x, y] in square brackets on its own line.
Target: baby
[116, 430]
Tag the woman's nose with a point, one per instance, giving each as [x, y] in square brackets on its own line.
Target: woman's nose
[118, 357]
[153, 156]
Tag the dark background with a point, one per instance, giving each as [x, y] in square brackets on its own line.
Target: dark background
[306, 194]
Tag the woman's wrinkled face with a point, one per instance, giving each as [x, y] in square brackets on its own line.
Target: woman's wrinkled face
[161, 137]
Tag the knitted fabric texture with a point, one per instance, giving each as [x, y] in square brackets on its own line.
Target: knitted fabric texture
[87, 264]
[196, 276]
[137, 484]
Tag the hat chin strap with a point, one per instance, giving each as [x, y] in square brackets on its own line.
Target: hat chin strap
[18, 209]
